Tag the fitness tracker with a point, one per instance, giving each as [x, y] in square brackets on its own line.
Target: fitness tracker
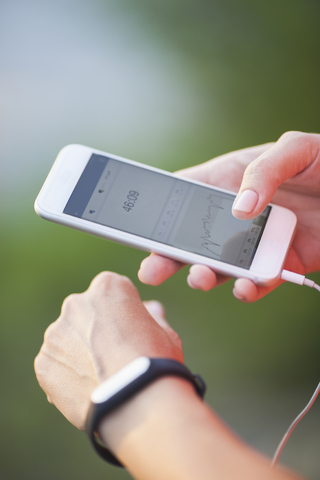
[125, 384]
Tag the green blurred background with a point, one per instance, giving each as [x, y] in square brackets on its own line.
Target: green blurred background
[169, 83]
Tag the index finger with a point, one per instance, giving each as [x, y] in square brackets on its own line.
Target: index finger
[155, 269]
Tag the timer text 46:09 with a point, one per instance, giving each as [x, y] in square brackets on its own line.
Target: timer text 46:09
[131, 200]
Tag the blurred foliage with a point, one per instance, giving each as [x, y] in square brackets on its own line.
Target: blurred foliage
[254, 69]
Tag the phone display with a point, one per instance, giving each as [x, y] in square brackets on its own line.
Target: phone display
[165, 209]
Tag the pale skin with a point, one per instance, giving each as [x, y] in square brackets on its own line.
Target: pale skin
[286, 173]
[164, 432]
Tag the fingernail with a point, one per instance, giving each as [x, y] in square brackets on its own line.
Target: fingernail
[246, 202]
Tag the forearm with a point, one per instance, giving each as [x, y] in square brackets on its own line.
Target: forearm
[167, 431]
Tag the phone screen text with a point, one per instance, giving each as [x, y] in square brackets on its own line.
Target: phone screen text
[165, 209]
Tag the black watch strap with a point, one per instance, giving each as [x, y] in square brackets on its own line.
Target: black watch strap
[153, 368]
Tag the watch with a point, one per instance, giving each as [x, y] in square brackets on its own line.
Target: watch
[125, 384]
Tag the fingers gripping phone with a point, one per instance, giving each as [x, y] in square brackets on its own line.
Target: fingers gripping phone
[157, 211]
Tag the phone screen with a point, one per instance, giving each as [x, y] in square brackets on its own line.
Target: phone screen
[165, 209]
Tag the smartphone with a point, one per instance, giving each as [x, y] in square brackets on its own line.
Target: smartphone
[153, 210]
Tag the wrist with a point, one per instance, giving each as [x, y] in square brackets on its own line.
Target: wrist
[125, 385]
[162, 396]
[146, 415]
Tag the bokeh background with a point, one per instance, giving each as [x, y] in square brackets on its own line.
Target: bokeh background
[171, 84]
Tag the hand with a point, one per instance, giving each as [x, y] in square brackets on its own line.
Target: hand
[98, 332]
[286, 173]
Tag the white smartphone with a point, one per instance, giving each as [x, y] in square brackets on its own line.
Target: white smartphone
[160, 212]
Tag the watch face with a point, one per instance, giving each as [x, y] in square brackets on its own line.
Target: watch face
[119, 380]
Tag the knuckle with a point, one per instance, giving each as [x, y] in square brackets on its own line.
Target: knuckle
[308, 143]
[69, 302]
[50, 333]
[291, 135]
[175, 337]
[104, 279]
[262, 171]
[106, 276]
[127, 282]
[109, 280]
[256, 167]
[256, 171]
[37, 364]
[300, 138]
[38, 367]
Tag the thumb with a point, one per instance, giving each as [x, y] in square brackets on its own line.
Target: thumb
[290, 155]
[157, 311]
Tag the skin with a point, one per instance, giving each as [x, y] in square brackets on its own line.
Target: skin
[96, 335]
[165, 431]
[286, 173]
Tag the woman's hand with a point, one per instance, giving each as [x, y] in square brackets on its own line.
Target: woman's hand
[286, 173]
[98, 332]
